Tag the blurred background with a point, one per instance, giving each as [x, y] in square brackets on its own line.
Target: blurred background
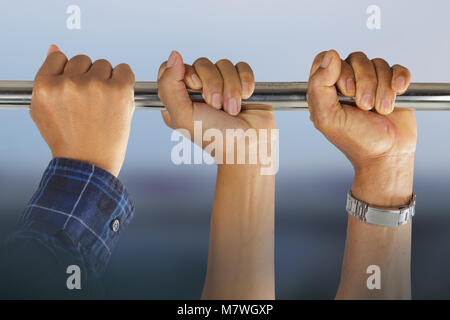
[163, 253]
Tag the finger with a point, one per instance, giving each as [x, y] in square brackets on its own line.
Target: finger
[173, 93]
[54, 63]
[322, 96]
[211, 80]
[401, 79]
[166, 118]
[122, 73]
[191, 78]
[78, 65]
[247, 79]
[231, 87]
[346, 83]
[162, 68]
[385, 96]
[101, 69]
[366, 80]
[53, 48]
[317, 62]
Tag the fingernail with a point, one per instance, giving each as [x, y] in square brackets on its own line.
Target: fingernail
[232, 106]
[367, 100]
[196, 80]
[400, 83]
[326, 60]
[216, 100]
[172, 59]
[245, 92]
[351, 87]
[386, 105]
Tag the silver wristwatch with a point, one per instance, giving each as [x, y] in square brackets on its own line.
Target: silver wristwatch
[381, 217]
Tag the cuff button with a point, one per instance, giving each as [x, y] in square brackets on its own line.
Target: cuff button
[115, 225]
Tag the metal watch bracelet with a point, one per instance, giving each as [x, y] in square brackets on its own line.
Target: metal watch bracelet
[380, 217]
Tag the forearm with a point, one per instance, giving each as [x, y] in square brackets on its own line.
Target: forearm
[241, 253]
[382, 184]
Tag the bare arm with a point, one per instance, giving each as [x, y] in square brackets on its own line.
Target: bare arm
[380, 143]
[386, 247]
[241, 253]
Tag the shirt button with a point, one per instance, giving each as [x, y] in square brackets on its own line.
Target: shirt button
[115, 225]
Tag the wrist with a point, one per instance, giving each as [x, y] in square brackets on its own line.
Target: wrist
[252, 194]
[385, 182]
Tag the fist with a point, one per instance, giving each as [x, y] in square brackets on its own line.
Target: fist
[373, 130]
[83, 110]
[223, 86]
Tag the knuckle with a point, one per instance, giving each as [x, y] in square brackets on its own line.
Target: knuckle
[243, 66]
[224, 62]
[69, 83]
[401, 69]
[81, 57]
[42, 87]
[202, 61]
[379, 61]
[357, 55]
[313, 84]
[163, 83]
[41, 91]
[124, 66]
[59, 55]
[127, 69]
[96, 82]
[103, 62]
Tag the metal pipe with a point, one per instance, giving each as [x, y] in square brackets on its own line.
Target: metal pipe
[278, 95]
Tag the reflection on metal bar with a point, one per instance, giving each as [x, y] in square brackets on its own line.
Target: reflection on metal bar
[278, 95]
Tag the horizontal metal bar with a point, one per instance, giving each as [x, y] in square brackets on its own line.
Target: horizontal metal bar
[277, 95]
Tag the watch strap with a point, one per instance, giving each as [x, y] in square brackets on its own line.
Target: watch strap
[378, 216]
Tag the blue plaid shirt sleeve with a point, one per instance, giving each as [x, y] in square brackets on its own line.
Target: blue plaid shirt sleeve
[75, 217]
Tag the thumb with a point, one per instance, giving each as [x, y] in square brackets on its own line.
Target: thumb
[322, 96]
[173, 93]
[53, 48]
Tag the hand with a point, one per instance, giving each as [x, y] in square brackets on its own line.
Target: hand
[222, 84]
[241, 254]
[381, 144]
[83, 109]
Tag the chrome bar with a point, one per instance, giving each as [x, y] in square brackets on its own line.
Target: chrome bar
[278, 95]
